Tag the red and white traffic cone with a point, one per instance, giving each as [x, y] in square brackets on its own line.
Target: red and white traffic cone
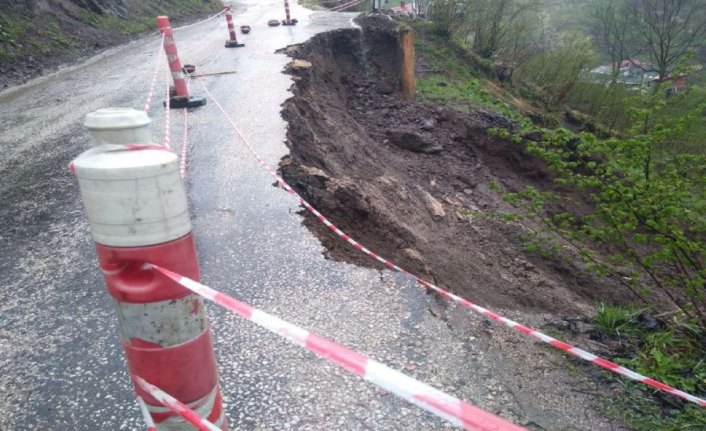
[164, 327]
[233, 41]
[181, 98]
[288, 20]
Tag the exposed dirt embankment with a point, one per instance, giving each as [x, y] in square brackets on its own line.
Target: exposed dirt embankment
[412, 180]
[38, 36]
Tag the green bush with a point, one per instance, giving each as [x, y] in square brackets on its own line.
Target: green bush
[647, 213]
[667, 351]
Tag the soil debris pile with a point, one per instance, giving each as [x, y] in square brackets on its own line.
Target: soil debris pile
[412, 181]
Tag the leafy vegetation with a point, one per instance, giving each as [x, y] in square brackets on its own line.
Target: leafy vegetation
[671, 353]
[617, 320]
[12, 31]
[557, 72]
[637, 217]
[632, 184]
[647, 213]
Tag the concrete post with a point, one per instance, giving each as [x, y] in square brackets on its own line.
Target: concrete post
[407, 73]
[181, 98]
[136, 205]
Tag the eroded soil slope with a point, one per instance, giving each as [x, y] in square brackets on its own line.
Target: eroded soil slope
[411, 180]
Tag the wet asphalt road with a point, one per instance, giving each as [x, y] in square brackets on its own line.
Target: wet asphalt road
[61, 361]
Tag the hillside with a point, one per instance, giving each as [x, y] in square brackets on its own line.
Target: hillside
[428, 184]
[37, 36]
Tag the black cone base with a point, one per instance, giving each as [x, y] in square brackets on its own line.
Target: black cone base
[190, 102]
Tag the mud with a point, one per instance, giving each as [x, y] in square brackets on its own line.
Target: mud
[412, 180]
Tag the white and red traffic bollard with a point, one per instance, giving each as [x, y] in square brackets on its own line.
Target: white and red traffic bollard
[135, 202]
[288, 20]
[233, 41]
[118, 126]
[181, 98]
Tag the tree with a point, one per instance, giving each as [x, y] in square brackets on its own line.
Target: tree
[423, 8]
[610, 25]
[558, 70]
[668, 29]
[449, 15]
[645, 218]
[494, 24]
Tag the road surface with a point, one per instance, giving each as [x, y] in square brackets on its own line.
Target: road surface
[60, 356]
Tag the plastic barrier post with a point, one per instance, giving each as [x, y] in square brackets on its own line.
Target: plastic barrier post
[135, 202]
[117, 126]
[288, 20]
[181, 98]
[233, 41]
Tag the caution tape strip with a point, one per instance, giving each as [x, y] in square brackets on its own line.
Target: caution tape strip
[149, 422]
[199, 22]
[345, 5]
[157, 63]
[432, 400]
[167, 114]
[213, 60]
[203, 43]
[574, 351]
[184, 145]
[172, 404]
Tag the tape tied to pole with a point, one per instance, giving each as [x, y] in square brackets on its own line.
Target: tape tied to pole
[450, 408]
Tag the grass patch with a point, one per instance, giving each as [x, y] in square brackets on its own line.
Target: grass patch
[125, 26]
[55, 35]
[89, 17]
[616, 320]
[48, 38]
[453, 75]
[12, 31]
[671, 352]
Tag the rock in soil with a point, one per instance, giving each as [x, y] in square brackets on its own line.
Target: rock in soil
[414, 141]
[433, 206]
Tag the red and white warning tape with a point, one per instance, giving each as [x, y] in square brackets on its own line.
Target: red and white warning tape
[172, 404]
[167, 113]
[157, 63]
[184, 145]
[149, 422]
[343, 6]
[201, 45]
[574, 351]
[454, 410]
[199, 22]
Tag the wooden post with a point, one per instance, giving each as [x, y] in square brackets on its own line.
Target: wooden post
[407, 74]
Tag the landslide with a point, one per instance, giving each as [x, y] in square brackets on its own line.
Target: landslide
[413, 181]
[37, 36]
